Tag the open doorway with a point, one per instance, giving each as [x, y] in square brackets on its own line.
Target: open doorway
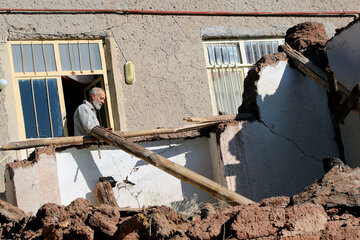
[76, 89]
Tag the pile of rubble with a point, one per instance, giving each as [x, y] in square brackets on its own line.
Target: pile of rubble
[328, 209]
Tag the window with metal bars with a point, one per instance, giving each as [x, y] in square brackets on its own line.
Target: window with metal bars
[228, 63]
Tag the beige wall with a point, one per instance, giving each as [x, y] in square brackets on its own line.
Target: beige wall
[167, 51]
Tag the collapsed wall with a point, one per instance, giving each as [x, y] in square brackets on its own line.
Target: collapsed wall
[343, 52]
[282, 151]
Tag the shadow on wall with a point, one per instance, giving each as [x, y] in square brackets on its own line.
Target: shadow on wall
[90, 171]
[197, 161]
[282, 152]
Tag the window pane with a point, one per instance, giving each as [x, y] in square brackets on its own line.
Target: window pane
[17, 59]
[50, 57]
[39, 58]
[231, 55]
[237, 54]
[213, 78]
[262, 49]
[95, 56]
[55, 110]
[217, 55]
[85, 56]
[28, 57]
[64, 57]
[75, 58]
[269, 48]
[224, 55]
[249, 53]
[255, 48]
[28, 108]
[42, 109]
[275, 46]
[211, 55]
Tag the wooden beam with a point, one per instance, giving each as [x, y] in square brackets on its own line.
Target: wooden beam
[314, 72]
[104, 194]
[170, 167]
[347, 105]
[240, 116]
[80, 140]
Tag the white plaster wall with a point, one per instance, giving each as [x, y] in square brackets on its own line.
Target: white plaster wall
[283, 152]
[344, 58]
[139, 183]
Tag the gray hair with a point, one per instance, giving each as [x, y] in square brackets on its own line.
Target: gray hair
[95, 91]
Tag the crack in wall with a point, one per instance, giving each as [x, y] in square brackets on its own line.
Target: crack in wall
[129, 186]
[291, 141]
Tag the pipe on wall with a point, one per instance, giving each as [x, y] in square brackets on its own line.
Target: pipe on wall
[189, 13]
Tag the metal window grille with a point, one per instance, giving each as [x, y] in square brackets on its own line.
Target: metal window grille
[228, 63]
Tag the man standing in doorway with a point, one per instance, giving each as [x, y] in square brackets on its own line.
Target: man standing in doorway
[85, 117]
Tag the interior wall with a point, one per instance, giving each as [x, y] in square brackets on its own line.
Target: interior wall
[138, 183]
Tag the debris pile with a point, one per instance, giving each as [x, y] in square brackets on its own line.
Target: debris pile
[329, 209]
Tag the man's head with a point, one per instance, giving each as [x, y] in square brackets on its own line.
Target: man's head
[97, 97]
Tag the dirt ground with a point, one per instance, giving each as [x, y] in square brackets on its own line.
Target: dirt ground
[327, 209]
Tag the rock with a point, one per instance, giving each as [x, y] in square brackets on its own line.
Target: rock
[164, 222]
[281, 201]
[78, 231]
[10, 213]
[52, 213]
[338, 188]
[80, 208]
[207, 210]
[212, 226]
[104, 220]
[304, 219]
[306, 34]
[254, 221]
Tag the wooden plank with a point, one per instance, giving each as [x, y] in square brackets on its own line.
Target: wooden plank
[170, 167]
[347, 105]
[104, 194]
[240, 116]
[314, 72]
[334, 100]
[80, 140]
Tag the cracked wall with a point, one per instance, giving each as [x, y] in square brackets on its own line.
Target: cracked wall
[281, 152]
[138, 183]
[344, 56]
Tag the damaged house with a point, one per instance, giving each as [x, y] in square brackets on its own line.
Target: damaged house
[192, 63]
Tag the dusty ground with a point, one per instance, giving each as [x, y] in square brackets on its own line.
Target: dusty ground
[328, 209]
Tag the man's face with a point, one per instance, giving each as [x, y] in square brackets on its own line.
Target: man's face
[98, 100]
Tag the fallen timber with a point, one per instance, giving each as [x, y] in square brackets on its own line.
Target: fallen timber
[314, 72]
[88, 139]
[170, 167]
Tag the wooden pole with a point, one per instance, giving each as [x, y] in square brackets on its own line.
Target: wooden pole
[347, 105]
[80, 140]
[172, 168]
[104, 194]
[314, 72]
[240, 116]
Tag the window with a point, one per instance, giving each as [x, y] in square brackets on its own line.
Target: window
[228, 63]
[52, 78]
